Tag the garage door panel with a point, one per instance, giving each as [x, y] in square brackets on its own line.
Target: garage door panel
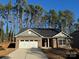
[35, 45]
[28, 44]
[22, 45]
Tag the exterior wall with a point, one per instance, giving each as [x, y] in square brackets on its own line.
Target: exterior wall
[29, 38]
[67, 45]
[54, 43]
[17, 42]
[63, 46]
[40, 43]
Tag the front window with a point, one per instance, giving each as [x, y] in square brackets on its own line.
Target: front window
[62, 42]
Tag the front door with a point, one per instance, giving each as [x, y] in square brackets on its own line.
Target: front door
[44, 42]
[47, 42]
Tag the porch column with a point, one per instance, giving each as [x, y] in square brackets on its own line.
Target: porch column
[56, 42]
[48, 42]
[13, 40]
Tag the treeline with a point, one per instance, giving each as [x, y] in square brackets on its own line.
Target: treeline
[23, 15]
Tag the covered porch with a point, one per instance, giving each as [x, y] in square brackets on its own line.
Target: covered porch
[47, 43]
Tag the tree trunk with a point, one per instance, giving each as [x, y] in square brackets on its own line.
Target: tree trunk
[20, 26]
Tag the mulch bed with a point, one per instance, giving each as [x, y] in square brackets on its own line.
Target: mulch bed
[54, 53]
[1, 48]
[58, 53]
[4, 50]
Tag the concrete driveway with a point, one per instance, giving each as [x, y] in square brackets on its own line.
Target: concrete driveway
[27, 54]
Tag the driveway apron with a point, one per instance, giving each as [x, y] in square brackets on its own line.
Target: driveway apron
[34, 53]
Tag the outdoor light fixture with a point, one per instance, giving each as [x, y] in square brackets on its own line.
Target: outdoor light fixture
[29, 32]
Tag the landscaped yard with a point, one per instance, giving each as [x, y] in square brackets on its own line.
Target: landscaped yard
[51, 53]
[54, 53]
[58, 53]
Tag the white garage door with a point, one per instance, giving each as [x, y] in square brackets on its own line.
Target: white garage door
[28, 44]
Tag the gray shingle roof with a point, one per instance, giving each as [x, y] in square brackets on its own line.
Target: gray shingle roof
[46, 32]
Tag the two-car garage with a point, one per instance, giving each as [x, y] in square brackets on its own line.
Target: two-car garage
[28, 43]
[28, 39]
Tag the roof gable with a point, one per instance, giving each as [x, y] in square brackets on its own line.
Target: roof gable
[62, 34]
[41, 32]
[28, 32]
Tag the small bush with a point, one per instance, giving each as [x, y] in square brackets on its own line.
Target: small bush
[1, 48]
